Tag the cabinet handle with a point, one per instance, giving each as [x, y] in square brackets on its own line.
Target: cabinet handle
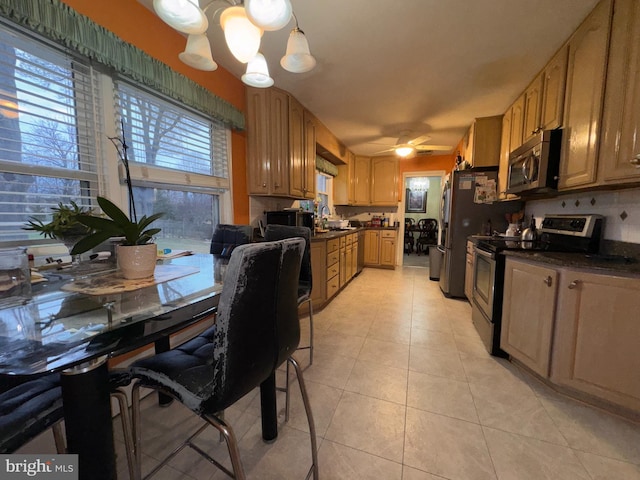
[635, 160]
[264, 185]
[574, 284]
[548, 281]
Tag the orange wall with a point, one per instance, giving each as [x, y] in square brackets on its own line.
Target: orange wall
[137, 25]
[424, 164]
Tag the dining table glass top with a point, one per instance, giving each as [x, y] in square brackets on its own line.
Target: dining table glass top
[89, 311]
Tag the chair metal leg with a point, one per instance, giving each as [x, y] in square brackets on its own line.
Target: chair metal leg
[58, 438]
[313, 471]
[127, 429]
[310, 346]
[287, 395]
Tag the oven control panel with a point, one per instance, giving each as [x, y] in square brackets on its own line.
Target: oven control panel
[575, 225]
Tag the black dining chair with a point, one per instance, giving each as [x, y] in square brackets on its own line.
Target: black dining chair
[30, 407]
[256, 330]
[227, 237]
[428, 236]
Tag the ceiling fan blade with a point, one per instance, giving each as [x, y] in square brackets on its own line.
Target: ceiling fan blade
[385, 151]
[440, 148]
[421, 139]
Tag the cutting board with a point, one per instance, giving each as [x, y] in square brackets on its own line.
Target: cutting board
[114, 282]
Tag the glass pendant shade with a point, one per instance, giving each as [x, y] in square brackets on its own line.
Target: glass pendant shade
[269, 15]
[242, 36]
[404, 150]
[297, 59]
[257, 73]
[197, 53]
[183, 15]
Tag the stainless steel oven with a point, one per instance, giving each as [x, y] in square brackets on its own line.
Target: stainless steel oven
[484, 272]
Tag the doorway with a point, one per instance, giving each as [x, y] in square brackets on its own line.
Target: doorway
[421, 206]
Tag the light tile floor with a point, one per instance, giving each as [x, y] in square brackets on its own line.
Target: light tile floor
[402, 389]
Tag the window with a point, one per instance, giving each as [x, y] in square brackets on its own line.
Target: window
[324, 189]
[48, 126]
[179, 165]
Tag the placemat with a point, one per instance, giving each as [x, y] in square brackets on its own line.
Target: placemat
[114, 282]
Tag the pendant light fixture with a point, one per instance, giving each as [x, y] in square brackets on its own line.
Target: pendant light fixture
[183, 15]
[197, 53]
[242, 36]
[297, 59]
[257, 73]
[270, 15]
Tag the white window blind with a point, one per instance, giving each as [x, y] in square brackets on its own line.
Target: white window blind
[48, 127]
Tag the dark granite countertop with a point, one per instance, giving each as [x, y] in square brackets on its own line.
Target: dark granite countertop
[339, 233]
[606, 263]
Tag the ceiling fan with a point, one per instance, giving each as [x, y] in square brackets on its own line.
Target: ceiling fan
[407, 146]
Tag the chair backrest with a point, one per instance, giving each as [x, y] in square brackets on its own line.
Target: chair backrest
[257, 315]
[280, 232]
[227, 237]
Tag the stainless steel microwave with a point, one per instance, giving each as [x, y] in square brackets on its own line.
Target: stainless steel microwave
[291, 217]
[533, 167]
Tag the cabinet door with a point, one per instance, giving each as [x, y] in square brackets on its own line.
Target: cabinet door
[354, 258]
[372, 247]
[384, 181]
[554, 80]
[258, 155]
[528, 312]
[505, 150]
[361, 187]
[583, 99]
[279, 142]
[468, 144]
[620, 149]
[388, 249]
[318, 252]
[517, 123]
[598, 335]
[297, 152]
[343, 183]
[532, 98]
[309, 159]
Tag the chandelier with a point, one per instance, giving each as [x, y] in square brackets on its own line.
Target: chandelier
[243, 26]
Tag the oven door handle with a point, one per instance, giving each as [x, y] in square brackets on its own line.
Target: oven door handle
[484, 254]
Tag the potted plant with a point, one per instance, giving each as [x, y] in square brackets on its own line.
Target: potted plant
[64, 224]
[136, 253]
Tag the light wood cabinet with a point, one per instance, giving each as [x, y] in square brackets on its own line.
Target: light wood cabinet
[597, 337]
[362, 181]
[482, 148]
[505, 150]
[318, 252]
[380, 248]
[619, 159]
[532, 102]
[528, 313]
[517, 123]
[384, 181]
[343, 183]
[587, 60]
[280, 146]
[554, 80]
[372, 247]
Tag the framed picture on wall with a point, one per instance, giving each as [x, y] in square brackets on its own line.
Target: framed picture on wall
[415, 201]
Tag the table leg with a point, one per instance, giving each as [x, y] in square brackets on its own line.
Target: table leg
[269, 409]
[163, 345]
[87, 419]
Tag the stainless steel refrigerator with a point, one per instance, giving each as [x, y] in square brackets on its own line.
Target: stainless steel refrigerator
[465, 212]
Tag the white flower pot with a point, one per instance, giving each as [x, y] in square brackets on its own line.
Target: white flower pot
[137, 261]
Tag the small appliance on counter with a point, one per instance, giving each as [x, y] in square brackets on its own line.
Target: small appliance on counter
[558, 233]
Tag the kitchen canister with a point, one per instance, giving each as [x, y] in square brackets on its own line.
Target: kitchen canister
[15, 276]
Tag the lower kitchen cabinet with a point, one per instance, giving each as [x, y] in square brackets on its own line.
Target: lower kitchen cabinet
[318, 270]
[597, 337]
[528, 313]
[576, 327]
[380, 248]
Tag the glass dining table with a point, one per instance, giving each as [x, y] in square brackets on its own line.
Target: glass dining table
[82, 316]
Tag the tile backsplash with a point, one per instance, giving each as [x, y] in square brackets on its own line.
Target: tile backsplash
[621, 209]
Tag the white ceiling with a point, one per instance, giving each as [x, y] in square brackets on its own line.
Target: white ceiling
[425, 66]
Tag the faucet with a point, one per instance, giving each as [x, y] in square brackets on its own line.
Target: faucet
[322, 210]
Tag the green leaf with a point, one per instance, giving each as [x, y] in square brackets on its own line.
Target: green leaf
[89, 242]
[112, 210]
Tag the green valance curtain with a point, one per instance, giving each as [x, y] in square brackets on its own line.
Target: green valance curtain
[63, 25]
[325, 166]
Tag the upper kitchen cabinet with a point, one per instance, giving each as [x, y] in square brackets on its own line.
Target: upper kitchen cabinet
[544, 98]
[343, 184]
[281, 145]
[619, 160]
[482, 142]
[517, 123]
[586, 68]
[505, 149]
[384, 181]
[361, 180]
